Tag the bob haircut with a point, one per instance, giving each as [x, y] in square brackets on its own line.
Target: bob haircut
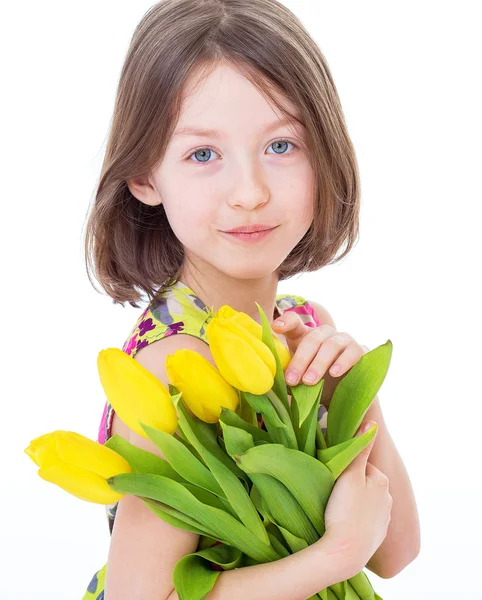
[130, 246]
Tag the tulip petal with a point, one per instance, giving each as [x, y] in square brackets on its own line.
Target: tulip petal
[228, 339]
[135, 393]
[182, 371]
[82, 452]
[204, 389]
[256, 329]
[256, 343]
[240, 365]
[80, 483]
[42, 450]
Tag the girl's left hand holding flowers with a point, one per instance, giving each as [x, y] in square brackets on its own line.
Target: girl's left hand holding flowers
[318, 353]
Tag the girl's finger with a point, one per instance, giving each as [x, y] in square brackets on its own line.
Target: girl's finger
[349, 356]
[319, 344]
[292, 328]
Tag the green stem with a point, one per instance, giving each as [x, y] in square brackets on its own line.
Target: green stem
[320, 438]
[285, 418]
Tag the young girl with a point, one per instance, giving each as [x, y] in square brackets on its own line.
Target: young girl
[228, 169]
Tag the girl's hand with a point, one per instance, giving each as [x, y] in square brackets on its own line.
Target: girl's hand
[317, 350]
[358, 512]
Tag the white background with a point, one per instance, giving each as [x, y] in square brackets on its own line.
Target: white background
[408, 75]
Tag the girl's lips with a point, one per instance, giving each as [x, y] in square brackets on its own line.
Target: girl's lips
[249, 237]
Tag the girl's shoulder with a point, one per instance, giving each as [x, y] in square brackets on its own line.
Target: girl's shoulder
[177, 310]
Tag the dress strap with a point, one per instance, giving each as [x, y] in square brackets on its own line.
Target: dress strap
[300, 306]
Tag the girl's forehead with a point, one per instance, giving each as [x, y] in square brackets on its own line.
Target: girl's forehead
[224, 90]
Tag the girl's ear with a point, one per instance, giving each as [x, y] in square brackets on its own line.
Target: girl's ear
[142, 189]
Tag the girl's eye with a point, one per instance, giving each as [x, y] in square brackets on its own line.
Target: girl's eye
[203, 154]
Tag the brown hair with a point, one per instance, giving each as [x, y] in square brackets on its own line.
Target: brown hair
[129, 245]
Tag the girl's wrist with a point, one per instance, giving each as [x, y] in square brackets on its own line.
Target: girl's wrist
[337, 556]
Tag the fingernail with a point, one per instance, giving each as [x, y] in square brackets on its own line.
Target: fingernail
[367, 426]
[335, 369]
[291, 376]
[310, 376]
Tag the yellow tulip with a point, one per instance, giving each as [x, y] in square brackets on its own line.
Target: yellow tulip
[226, 312]
[203, 388]
[242, 358]
[78, 465]
[135, 393]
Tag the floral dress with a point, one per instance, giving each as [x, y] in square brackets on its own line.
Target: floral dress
[179, 310]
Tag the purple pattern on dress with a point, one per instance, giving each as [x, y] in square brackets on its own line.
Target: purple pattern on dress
[130, 345]
[145, 326]
[175, 328]
[140, 344]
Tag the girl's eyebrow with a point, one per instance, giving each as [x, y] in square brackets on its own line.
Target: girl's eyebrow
[213, 133]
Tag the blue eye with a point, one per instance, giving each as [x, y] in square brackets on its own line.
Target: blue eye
[282, 142]
[204, 156]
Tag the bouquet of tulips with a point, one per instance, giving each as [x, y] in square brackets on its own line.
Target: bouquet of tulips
[253, 496]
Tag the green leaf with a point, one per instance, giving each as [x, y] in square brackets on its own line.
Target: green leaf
[320, 441]
[355, 392]
[218, 524]
[205, 542]
[175, 517]
[233, 489]
[244, 411]
[351, 593]
[142, 461]
[210, 499]
[286, 419]
[347, 452]
[186, 444]
[308, 479]
[262, 404]
[236, 440]
[340, 589]
[306, 433]
[231, 418]
[295, 543]
[279, 385]
[183, 461]
[305, 397]
[362, 586]
[275, 426]
[193, 576]
[205, 434]
[282, 507]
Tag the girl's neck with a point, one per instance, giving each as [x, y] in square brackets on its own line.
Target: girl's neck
[241, 294]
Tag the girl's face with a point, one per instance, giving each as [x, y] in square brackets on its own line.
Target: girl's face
[242, 175]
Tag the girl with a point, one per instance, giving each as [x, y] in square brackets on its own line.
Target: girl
[228, 169]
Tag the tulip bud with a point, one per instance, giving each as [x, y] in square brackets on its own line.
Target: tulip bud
[135, 393]
[242, 358]
[204, 390]
[78, 465]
